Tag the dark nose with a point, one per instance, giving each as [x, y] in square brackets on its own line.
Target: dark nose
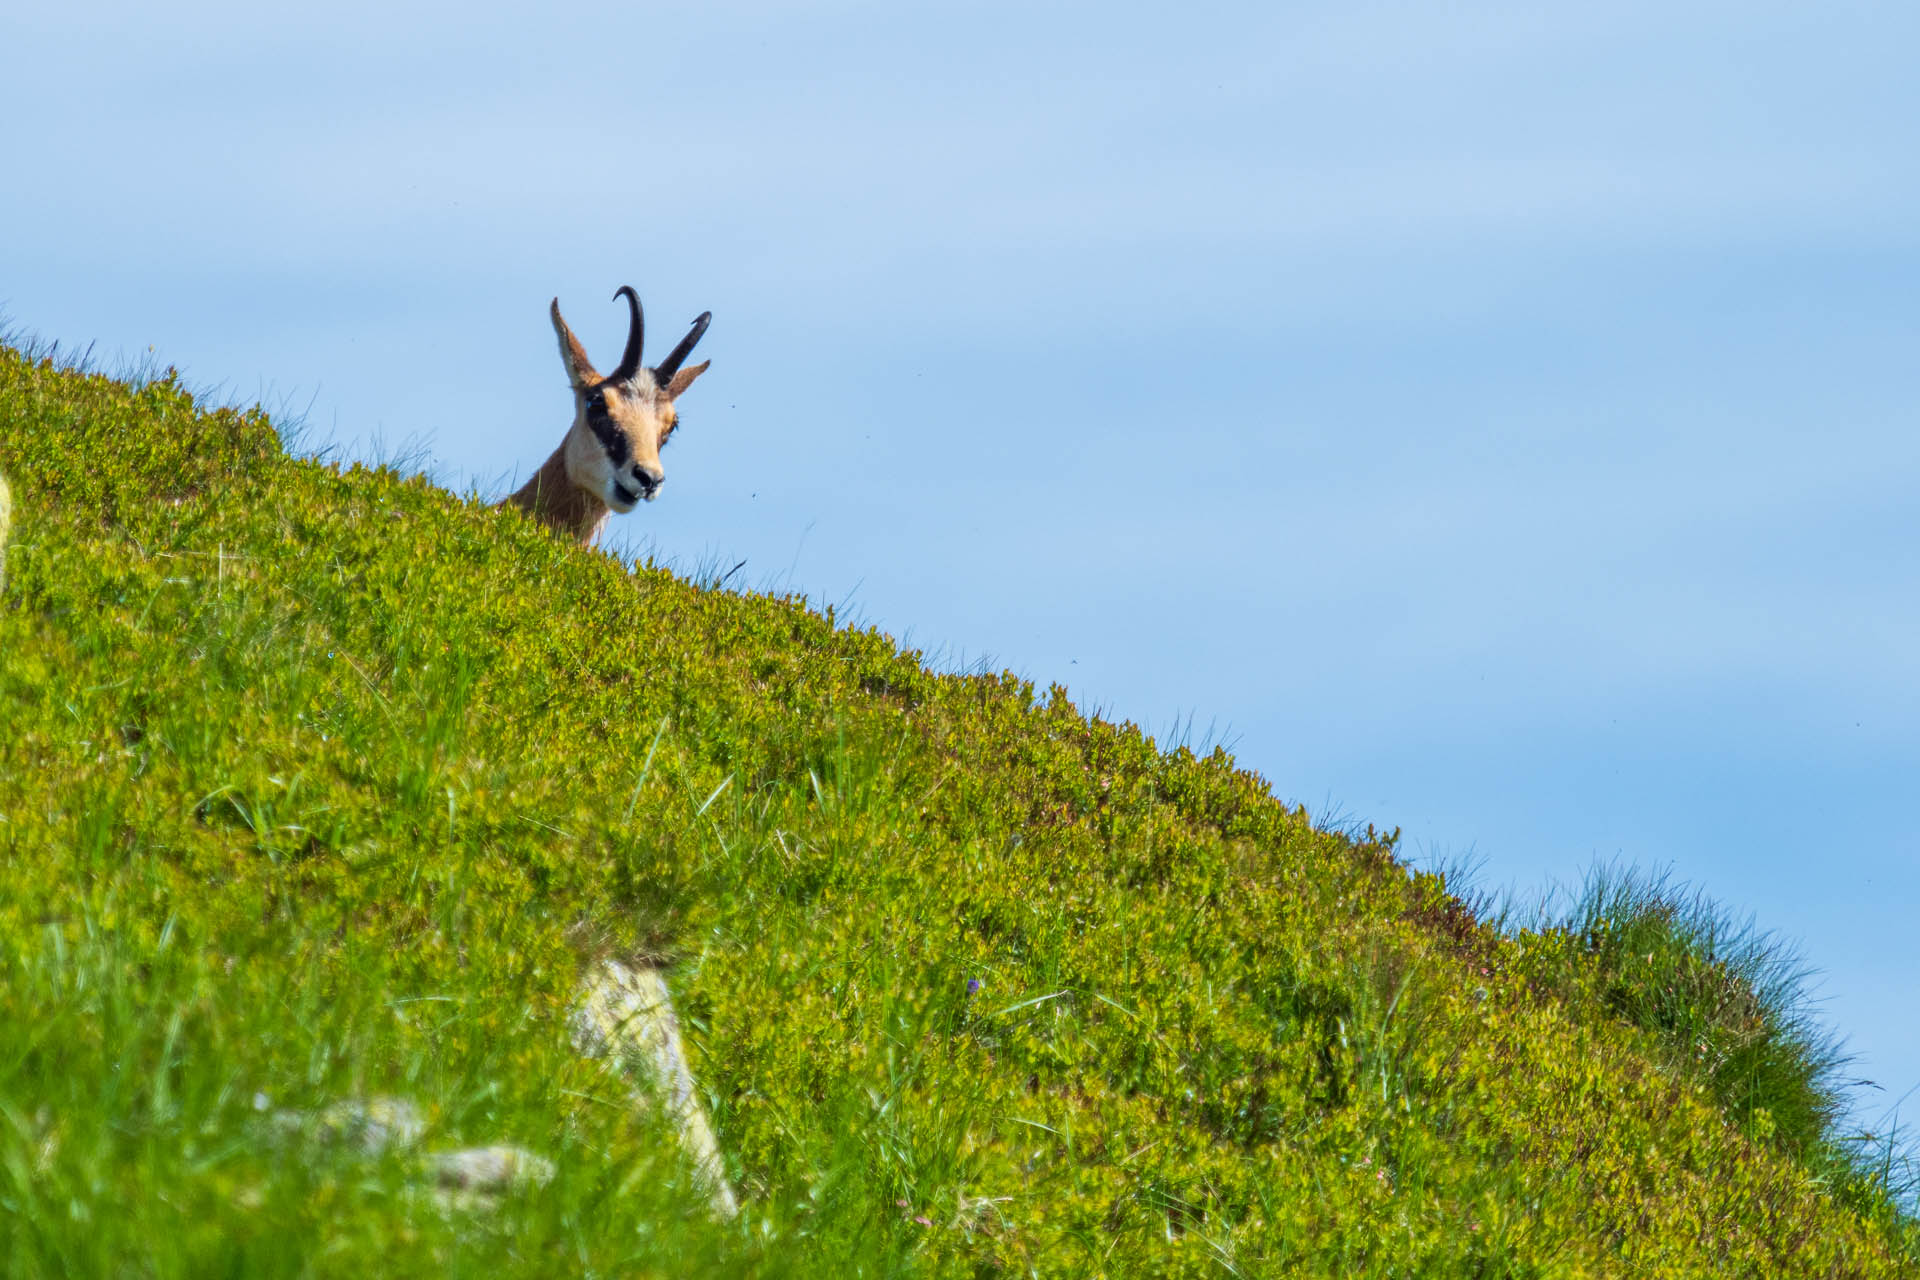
[648, 478]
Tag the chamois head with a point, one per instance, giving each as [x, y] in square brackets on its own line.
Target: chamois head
[620, 421]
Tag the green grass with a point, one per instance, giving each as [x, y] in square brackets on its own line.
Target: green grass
[1727, 1005]
[320, 784]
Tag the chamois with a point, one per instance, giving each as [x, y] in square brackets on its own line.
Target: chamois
[610, 458]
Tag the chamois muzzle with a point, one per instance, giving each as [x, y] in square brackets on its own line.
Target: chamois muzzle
[639, 483]
[636, 330]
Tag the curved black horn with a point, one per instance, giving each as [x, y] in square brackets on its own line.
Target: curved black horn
[671, 365]
[636, 329]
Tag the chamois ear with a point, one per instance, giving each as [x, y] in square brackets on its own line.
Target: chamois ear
[684, 379]
[580, 371]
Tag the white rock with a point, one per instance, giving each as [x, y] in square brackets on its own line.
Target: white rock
[625, 1015]
[370, 1125]
[496, 1168]
[6, 519]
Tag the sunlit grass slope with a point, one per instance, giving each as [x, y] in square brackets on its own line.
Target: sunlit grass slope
[319, 786]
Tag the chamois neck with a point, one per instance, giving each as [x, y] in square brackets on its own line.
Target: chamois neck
[551, 497]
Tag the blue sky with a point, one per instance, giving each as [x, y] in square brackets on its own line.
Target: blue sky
[1496, 422]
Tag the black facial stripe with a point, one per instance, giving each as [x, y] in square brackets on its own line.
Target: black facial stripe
[603, 430]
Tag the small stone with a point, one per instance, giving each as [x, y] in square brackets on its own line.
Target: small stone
[496, 1168]
[370, 1125]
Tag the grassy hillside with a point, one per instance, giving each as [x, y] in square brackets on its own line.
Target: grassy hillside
[322, 785]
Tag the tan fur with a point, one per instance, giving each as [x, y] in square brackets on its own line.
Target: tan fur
[551, 497]
[684, 379]
[579, 485]
[580, 371]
